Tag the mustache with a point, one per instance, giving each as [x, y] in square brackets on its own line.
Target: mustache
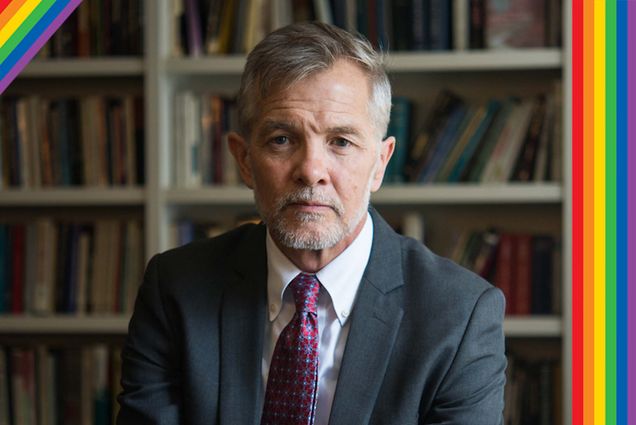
[310, 195]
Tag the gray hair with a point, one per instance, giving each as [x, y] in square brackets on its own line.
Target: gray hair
[295, 52]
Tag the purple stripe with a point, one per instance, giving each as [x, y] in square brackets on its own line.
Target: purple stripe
[631, 215]
[31, 52]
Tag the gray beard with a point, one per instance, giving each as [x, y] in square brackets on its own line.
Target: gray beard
[292, 237]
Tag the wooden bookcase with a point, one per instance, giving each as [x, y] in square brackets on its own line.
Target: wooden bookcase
[475, 74]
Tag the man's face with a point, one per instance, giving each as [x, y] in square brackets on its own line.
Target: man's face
[313, 158]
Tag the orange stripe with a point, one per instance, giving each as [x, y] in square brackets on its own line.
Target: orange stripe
[11, 10]
[588, 212]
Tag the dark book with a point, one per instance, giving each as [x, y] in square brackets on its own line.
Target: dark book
[420, 22]
[193, 28]
[441, 109]
[62, 267]
[362, 18]
[401, 13]
[442, 146]
[474, 142]
[525, 162]
[542, 276]
[5, 270]
[17, 241]
[441, 18]
[399, 127]
[504, 264]
[523, 274]
[339, 13]
[139, 141]
[477, 24]
[239, 34]
[487, 145]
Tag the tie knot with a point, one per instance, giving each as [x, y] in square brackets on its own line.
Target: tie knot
[305, 289]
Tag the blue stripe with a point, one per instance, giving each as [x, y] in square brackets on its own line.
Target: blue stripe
[621, 211]
[33, 35]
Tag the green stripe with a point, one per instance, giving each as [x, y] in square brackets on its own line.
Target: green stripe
[610, 214]
[24, 29]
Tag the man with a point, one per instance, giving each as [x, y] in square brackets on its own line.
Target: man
[323, 314]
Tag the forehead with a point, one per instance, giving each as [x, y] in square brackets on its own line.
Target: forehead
[343, 88]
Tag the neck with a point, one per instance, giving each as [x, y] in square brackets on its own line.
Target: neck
[311, 261]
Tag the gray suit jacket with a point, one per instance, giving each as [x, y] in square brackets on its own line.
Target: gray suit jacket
[426, 344]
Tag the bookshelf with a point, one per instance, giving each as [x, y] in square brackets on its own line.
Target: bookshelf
[159, 76]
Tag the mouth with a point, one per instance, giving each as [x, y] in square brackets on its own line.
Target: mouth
[309, 206]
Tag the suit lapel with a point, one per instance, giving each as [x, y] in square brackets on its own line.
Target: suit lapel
[242, 326]
[374, 325]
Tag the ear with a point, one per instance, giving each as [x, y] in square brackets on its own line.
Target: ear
[387, 148]
[240, 151]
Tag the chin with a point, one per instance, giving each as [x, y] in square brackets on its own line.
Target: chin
[305, 237]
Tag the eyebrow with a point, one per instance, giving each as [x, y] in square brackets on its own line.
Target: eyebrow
[272, 125]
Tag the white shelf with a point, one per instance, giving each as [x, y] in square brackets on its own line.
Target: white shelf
[71, 324]
[72, 197]
[523, 326]
[475, 60]
[85, 67]
[533, 326]
[519, 59]
[514, 193]
[208, 65]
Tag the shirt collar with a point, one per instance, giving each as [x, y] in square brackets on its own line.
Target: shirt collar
[341, 277]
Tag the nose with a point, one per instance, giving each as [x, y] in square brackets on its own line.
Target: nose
[311, 165]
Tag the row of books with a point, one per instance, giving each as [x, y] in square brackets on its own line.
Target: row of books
[48, 385]
[99, 28]
[526, 267]
[533, 392]
[516, 139]
[89, 141]
[201, 153]
[222, 27]
[49, 266]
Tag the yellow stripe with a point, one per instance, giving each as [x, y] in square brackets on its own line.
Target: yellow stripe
[599, 213]
[16, 20]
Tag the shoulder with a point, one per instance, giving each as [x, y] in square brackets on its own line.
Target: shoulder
[440, 285]
[209, 256]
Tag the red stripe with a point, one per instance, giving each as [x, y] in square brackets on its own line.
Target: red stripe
[577, 212]
[4, 4]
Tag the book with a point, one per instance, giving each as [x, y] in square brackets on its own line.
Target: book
[508, 145]
[440, 18]
[523, 274]
[542, 274]
[477, 24]
[473, 121]
[504, 279]
[445, 102]
[526, 159]
[457, 122]
[515, 23]
[399, 127]
[471, 148]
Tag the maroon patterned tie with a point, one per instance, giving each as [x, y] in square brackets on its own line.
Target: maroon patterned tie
[290, 398]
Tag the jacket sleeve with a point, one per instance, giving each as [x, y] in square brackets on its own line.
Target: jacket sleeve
[150, 367]
[472, 390]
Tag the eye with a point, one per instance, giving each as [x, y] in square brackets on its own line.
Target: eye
[280, 140]
[340, 142]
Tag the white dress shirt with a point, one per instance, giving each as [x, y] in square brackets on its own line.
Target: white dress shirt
[339, 281]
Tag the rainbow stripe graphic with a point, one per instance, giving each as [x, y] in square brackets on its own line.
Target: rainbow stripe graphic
[25, 25]
[604, 212]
